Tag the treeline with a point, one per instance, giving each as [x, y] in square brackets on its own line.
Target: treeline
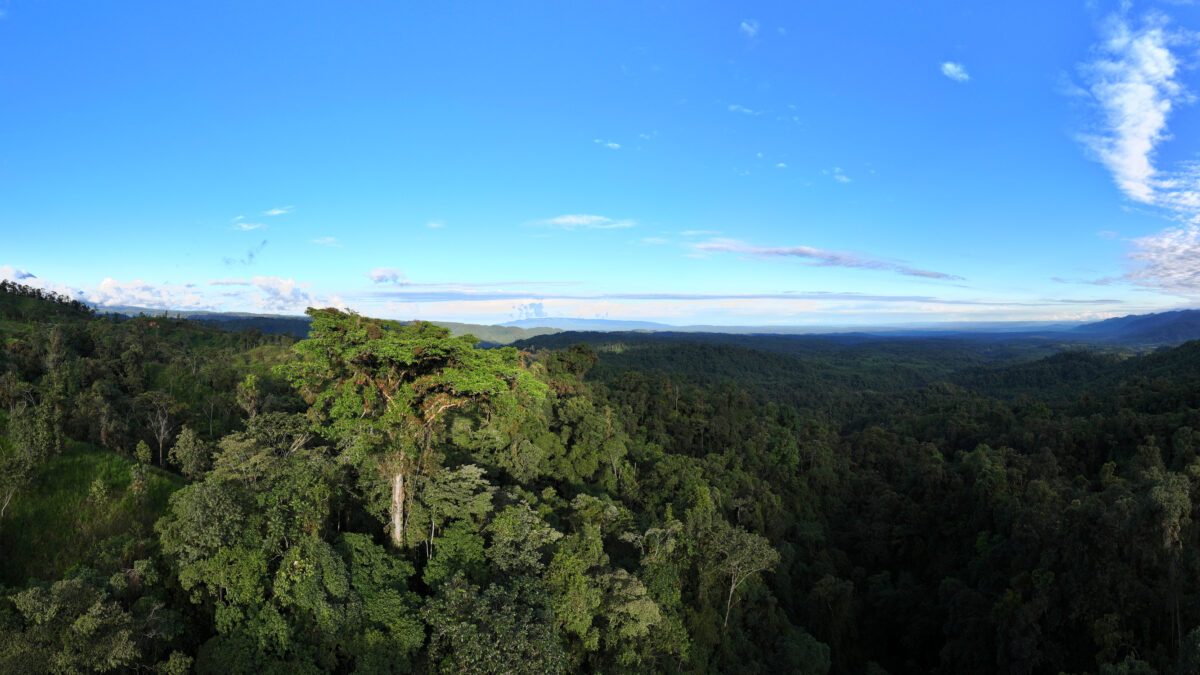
[19, 302]
[387, 498]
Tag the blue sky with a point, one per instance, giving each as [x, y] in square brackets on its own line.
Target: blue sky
[692, 163]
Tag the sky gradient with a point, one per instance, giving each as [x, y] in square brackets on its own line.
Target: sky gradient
[691, 163]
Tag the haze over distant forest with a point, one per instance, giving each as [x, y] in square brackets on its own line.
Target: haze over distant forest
[825, 338]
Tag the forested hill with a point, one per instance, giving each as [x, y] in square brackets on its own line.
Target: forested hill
[19, 302]
[298, 326]
[385, 497]
[1162, 328]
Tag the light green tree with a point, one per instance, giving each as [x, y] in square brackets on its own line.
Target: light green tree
[190, 454]
[384, 389]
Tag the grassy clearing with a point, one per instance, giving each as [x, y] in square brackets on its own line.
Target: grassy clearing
[53, 525]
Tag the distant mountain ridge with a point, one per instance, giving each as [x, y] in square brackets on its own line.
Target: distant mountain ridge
[1162, 328]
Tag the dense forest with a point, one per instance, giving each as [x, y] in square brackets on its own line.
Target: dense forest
[384, 497]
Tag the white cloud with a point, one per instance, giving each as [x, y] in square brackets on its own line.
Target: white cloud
[138, 293]
[386, 275]
[1133, 83]
[749, 28]
[955, 71]
[837, 174]
[113, 293]
[331, 242]
[16, 274]
[743, 109]
[275, 294]
[781, 165]
[608, 144]
[816, 257]
[27, 278]
[529, 310]
[278, 211]
[247, 227]
[1168, 260]
[435, 224]
[575, 221]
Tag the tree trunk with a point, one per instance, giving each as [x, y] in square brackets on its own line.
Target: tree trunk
[729, 601]
[398, 509]
[7, 498]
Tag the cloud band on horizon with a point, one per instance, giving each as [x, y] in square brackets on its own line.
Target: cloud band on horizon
[817, 257]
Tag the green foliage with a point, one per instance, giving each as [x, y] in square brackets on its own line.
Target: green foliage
[53, 526]
[504, 629]
[191, 454]
[383, 390]
[98, 493]
[813, 506]
[139, 482]
[519, 539]
[142, 453]
[19, 302]
[72, 626]
[176, 664]
[458, 549]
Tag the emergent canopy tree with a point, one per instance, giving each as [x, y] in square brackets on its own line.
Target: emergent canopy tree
[382, 389]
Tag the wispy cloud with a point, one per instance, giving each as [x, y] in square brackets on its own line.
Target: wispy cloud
[1168, 260]
[1106, 281]
[743, 110]
[386, 275]
[424, 296]
[1134, 85]
[816, 257]
[435, 224]
[391, 275]
[274, 293]
[780, 165]
[331, 242]
[278, 211]
[749, 28]
[239, 223]
[837, 174]
[608, 144]
[955, 71]
[578, 221]
[249, 257]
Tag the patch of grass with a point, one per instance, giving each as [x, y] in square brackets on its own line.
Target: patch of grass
[52, 525]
